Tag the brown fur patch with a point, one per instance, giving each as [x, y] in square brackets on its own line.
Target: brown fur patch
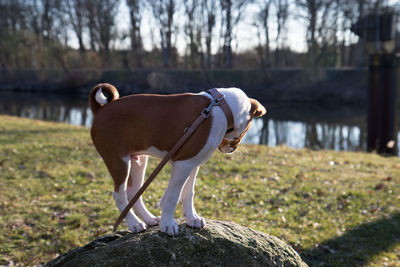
[137, 122]
[257, 110]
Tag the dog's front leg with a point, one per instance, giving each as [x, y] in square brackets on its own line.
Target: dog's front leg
[191, 217]
[179, 174]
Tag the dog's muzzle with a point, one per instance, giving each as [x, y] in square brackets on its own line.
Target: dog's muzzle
[228, 146]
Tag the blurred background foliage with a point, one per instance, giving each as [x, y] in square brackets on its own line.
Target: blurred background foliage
[177, 34]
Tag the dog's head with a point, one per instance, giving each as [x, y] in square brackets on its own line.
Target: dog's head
[234, 136]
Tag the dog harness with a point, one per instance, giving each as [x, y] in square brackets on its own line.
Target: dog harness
[224, 106]
[218, 99]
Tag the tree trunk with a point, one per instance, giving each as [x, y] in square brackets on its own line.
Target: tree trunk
[228, 35]
[135, 36]
[313, 44]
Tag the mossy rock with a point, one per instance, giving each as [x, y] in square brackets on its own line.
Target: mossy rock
[218, 244]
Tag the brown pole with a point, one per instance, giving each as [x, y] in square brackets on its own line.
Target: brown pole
[374, 80]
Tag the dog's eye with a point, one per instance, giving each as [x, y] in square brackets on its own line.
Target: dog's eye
[230, 130]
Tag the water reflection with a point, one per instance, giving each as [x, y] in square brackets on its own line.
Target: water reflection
[51, 107]
[300, 134]
[295, 126]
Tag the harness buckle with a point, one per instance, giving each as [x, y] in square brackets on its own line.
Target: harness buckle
[214, 102]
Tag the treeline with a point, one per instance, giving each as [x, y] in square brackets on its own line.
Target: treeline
[37, 34]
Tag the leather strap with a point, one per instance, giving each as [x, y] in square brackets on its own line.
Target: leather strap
[224, 106]
[217, 99]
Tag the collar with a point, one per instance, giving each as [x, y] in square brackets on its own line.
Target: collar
[224, 106]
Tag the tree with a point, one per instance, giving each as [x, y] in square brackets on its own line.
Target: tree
[102, 27]
[347, 19]
[135, 35]
[43, 38]
[192, 29]
[92, 24]
[261, 23]
[12, 22]
[282, 13]
[76, 12]
[209, 10]
[231, 13]
[164, 11]
[315, 16]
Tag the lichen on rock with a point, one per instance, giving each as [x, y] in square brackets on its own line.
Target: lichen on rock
[218, 244]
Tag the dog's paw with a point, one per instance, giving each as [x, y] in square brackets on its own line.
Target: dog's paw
[195, 222]
[138, 227]
[153, 221]
[169, 228]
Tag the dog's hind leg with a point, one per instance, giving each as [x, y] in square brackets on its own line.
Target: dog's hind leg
[119, 170]
[189, 212]
[135, 181]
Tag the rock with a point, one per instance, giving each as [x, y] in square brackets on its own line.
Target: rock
[218, 244]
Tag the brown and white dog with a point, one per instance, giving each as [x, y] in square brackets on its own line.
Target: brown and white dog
[127, 130]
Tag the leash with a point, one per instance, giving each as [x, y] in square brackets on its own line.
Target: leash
[218, 99]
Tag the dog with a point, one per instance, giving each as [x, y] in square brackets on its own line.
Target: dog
[126, 130]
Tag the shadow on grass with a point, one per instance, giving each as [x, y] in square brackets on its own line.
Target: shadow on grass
[358, 245]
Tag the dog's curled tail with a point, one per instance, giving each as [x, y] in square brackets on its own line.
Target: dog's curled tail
[102, 94]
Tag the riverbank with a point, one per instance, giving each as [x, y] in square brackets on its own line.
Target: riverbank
[284, 85]
[334, 208]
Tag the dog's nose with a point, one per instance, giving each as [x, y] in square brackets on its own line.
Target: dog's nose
[232, 149]
[226, 149]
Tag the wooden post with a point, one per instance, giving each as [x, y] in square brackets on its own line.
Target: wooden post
[378, 30]
[388, 135]
[382, 85]
[374, 80]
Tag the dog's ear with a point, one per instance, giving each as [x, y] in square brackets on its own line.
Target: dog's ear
[257, 110]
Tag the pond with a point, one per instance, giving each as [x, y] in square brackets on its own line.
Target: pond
[293, 125]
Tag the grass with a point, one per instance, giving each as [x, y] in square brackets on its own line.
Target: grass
[334, 208]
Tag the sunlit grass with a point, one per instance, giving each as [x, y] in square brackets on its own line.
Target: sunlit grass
[334, 208]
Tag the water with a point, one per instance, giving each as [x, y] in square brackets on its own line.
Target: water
[298, 126]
